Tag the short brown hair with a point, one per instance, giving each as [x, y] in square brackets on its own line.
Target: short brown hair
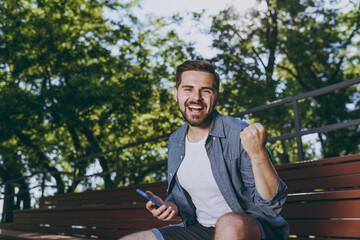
[197, 65]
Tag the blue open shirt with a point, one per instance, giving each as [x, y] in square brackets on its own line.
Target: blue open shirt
[232, 170]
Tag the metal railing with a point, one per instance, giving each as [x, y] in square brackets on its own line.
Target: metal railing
[297, 134]
[295, 100]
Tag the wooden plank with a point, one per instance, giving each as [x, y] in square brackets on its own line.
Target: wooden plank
[84, 208]
[21, 235]
[324, 183]
[113, 195]
[109, 233]
[100, 233]
[101, 199]
[116, 213]
[322, 209]
[292, 237]
[323, 228]
[98, 223]
[347, 158]
[319, 171]
[327, 195]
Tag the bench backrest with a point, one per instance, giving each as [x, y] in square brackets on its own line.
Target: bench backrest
[324, 197]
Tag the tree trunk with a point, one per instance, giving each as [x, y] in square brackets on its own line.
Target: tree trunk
[9, 206]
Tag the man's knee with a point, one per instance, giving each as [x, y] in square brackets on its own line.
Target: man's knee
[233, 219]
[148, 235]
[237, 225]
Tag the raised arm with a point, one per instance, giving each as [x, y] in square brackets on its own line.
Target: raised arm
[253, 139]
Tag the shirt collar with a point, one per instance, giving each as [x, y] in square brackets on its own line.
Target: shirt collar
[217, 126]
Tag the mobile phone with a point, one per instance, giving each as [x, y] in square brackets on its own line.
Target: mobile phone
[148, 197]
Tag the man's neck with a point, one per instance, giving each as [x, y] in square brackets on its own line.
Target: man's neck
[195, 134]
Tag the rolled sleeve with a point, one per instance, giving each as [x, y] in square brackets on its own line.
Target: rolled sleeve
[272, 206]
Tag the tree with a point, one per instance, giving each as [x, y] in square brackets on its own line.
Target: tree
[285, 48]
[76, 82]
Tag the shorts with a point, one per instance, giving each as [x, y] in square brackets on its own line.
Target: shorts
[199, 232]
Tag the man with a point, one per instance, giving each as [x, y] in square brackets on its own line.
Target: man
[221, 180]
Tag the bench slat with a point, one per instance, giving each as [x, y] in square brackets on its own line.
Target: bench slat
[100, 232]
[318, 196]
[105, 196]
[321, 171]
[21, 235]
[313, 163]
[109, 233]
[333, 228]
[117, 213]
[98, 223]
[323, 209]
[317, 238]
[344, 181]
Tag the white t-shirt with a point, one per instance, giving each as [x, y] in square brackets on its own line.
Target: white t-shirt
[196, 177]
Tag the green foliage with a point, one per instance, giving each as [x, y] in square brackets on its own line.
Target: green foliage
[81, 77]
[287, 48]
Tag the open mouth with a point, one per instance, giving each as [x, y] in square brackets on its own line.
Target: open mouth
[195, 108]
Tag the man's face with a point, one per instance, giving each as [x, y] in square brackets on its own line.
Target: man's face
[197, 97]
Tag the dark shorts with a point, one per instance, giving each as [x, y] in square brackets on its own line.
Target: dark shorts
[199, 232]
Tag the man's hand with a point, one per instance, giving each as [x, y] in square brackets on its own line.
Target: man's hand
[253, 139]
[166, 212]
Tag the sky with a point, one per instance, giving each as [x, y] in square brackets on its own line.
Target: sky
[167, 8]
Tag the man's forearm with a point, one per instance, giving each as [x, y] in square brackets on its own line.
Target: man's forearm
[265, 176]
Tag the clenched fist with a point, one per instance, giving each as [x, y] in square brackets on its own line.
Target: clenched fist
[253, 138]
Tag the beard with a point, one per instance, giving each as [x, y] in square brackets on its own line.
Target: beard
[197, 121]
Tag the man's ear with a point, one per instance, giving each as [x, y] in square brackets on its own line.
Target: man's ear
[175, 94]
[217, 97]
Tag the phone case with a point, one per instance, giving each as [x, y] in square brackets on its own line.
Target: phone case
[148, 197]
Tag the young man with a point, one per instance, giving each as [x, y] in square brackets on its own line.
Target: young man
[221, 180]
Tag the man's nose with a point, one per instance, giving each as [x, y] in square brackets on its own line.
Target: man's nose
[197, 95]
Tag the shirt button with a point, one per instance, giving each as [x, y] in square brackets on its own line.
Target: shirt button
[171, 174]
[214, 138]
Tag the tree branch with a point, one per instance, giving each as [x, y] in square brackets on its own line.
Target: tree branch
[256, 53]
[345, 45]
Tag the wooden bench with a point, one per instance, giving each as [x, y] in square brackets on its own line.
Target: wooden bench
[323, 203]
[104, 214]
[324, 198]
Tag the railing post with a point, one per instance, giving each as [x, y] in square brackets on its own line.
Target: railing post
[117, 177]
[74, 174]
[297, 121]
[43, 183]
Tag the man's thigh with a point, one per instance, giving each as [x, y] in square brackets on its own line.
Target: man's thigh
[193, 232]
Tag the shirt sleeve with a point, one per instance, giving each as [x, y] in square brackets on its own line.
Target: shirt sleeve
[272, 206]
